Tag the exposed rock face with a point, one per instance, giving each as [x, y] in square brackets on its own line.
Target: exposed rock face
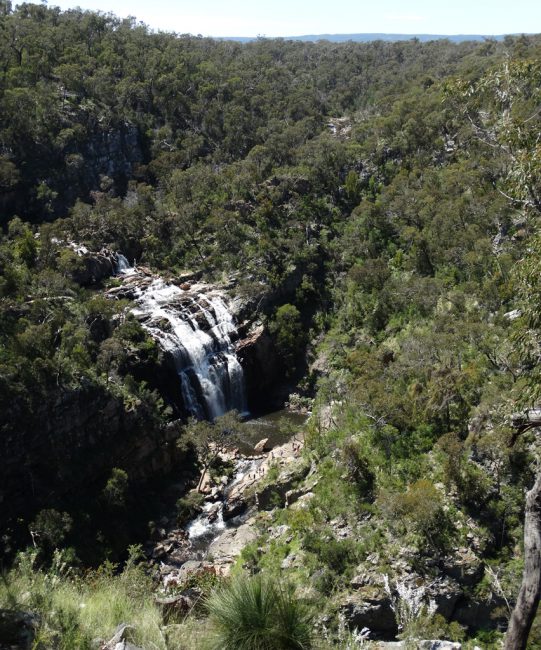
[113, 152]
[105, 161]
[371, 610]
[258, 358]
[275, 493]
[100, 158]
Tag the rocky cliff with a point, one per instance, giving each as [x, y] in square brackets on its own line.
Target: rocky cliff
[62, 448]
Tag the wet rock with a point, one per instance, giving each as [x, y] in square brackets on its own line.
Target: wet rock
[214, 512]
[234, 509]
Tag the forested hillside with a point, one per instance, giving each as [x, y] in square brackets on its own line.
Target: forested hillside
[374, 207]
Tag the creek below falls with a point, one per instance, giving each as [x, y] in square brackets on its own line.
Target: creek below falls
[196, 540]
[279, 427]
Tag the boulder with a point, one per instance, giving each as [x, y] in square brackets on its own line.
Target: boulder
[233, 508]
[121, 639]
[213, 512]
[93, 267]
[261, 446]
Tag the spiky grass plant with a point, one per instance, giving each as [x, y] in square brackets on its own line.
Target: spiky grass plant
[256, 613]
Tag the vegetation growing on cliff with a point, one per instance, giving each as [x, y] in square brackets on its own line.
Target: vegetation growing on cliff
[375, 200]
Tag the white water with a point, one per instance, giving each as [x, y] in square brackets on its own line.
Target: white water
[123, 266]
[201, 531]
[202, 527]
[197, 330]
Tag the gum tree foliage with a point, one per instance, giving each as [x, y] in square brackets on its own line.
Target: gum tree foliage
[504, 109]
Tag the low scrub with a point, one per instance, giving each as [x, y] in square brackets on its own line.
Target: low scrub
[255, 613]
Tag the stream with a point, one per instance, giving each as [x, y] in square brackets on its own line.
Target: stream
[209, 528]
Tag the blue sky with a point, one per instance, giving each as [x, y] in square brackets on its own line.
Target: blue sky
[297, 17]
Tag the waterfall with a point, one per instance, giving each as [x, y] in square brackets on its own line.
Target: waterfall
[122, 266]
[199, 332]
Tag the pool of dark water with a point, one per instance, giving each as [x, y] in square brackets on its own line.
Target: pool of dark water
[278, 426]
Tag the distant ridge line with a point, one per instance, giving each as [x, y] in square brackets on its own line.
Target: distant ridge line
[367, 37]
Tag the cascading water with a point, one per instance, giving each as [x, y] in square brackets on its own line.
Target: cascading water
[199, 332]
[123, 266]
[203, 529]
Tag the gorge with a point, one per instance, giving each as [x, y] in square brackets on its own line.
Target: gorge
[193, 226]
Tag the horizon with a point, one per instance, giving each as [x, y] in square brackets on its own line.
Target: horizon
[301, 18]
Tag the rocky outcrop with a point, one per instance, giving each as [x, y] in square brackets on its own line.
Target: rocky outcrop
[274, 493]
[112, 152]
[259, 360]
[175, 556]
[121, 639]
[372, 609]
[93, 267]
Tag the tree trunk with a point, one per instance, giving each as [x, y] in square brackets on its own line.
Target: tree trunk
[202, 478]
[530, 590]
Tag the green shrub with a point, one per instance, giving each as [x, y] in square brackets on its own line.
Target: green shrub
[258, 614]
[420, 510]
[189, 505]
